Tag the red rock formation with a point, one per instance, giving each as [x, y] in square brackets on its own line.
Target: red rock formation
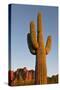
[11, 76]
[30, 75]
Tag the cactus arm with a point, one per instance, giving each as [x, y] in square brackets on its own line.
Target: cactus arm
[48, 45]
[32, 50]
[33, 35]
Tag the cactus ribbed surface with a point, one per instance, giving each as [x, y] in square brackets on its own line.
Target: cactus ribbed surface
[36, 46]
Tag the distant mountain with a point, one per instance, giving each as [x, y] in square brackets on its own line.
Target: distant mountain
[53, 79]
[23, 76]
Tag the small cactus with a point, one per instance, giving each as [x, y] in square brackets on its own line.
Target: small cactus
[36, 47]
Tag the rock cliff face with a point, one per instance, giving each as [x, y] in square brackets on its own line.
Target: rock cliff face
[23, 76]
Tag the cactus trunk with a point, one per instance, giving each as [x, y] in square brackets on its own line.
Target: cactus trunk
[40, 69]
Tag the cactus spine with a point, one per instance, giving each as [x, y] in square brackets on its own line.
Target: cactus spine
[36, 46]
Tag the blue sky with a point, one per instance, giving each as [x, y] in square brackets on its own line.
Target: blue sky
[21, 17]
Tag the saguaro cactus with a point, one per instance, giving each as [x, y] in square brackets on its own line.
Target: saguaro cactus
[36, 46]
